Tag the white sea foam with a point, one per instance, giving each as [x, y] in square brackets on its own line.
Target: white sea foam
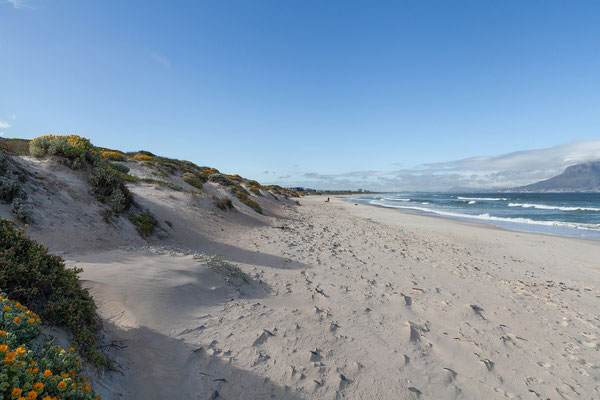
[547, 207]
[472, 202]
[395, 199]
[488, 217]
[482, 198]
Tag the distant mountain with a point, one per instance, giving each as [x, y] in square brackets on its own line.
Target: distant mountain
[584, 177]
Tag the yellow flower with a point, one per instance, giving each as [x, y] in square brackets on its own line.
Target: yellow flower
[47, 398]
[10, 355]
[62, 384]
[64, 375]
[17, 320]
[2, 333]
[21, 350]
[31, 320]
[17, 392]
[3, 348]
[72, 349]
[87, 387]
[6, 308]
[31, 395]
[38, 387]
[47, 373]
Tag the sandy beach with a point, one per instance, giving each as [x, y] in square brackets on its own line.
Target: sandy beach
[354, 302]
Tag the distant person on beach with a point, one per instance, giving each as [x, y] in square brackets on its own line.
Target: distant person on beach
[327, 201]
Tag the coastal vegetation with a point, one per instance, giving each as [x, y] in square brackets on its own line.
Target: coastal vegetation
[29, 275]
[32, 368]
[144, 223]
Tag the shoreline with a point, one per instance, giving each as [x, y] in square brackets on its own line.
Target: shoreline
[466, 220]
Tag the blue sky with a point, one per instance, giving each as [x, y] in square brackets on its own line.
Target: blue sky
[320, 93]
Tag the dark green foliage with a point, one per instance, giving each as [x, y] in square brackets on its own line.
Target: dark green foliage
[223, 203]
[221, 179]
[145, 153]
[32, 276]
[9, 186]
[192, 179]
[144, 223]
[120, 167]
[21, 209]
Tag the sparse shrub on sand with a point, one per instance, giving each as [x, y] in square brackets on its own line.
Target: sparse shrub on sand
[31, 368]
[30, 275]
[255, 190]
[143, 157]
[144, 224]
[242, 196]
[192, 179]
[21, 209]
[11, 192]
[223, 203]
[76, 150]
[124, 169]
[118, 202]
[220, 179]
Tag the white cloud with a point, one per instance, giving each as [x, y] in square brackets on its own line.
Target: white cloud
[15, 3]
[4, 125]
[476, 173]
[164, 61]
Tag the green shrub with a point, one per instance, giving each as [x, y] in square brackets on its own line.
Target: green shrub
[124, 169]
[9, 187]
[75, 149]
[223, 203]
[31, 367]
[30, 275]
[252, 204]
[255, 190]
[192, 179]
[112, 155]
[118, 202]
[221, 179]
[144, 224]
[21, 209]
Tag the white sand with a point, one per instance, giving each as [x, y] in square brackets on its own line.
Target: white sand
[355, 302]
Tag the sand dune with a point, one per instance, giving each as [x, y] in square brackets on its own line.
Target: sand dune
[353, 302]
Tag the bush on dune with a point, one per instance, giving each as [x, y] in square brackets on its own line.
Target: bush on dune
[112, 155]
[30, 368]
[143, 157]
[192, 179]
[76, 151]
[223, 203]
[30, 275]
[144, 223]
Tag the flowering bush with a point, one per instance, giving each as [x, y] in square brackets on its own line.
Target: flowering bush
[31, 369]
[107, 183]
[192, 179]
[75, 149]
[112, 155]
[143, 157]
[255, 190]
[30, 275]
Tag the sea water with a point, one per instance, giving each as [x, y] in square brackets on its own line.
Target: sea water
[568, 214]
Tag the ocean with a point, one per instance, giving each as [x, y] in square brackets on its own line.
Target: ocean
[565, 214]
